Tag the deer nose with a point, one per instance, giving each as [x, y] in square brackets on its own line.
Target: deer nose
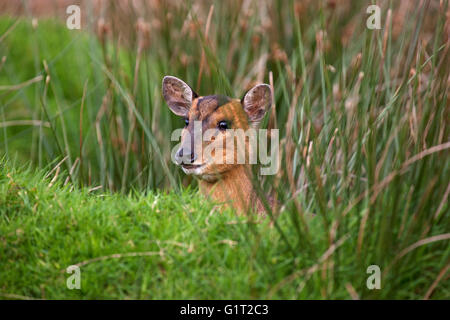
[182, 159]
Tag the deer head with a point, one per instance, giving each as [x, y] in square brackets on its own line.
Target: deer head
[213, 116]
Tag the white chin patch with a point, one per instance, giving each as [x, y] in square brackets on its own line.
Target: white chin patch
[199, 172]
[193, 171]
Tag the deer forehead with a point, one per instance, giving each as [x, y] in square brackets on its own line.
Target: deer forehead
[218, 107]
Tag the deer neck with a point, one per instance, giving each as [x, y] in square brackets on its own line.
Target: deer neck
[234, 188]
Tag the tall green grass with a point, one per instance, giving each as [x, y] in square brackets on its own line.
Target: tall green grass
[363, 116]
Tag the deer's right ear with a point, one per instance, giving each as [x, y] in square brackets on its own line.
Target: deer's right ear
[256, 102]
[178, 95]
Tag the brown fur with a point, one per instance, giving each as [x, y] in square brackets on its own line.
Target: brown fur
[230, 184]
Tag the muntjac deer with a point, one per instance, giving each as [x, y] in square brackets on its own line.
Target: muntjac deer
[225, 181]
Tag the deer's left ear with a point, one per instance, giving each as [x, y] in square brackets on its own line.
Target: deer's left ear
[256, 102]
[178, 95]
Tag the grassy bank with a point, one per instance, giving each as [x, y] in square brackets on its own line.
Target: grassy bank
[177, 246]
[193, 252]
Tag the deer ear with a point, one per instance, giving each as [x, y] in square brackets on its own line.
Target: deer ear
[256, 102]
[178, 95]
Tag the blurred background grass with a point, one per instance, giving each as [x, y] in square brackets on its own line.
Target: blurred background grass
[363, 114]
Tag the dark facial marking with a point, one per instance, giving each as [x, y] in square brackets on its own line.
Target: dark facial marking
[207, 105]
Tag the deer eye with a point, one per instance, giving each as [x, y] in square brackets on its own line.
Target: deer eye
[186, 122]
[222, 125]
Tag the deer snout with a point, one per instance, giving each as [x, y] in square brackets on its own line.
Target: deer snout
[184, 156]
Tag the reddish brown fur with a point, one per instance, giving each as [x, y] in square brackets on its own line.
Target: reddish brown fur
[230, 184]
[234, 186]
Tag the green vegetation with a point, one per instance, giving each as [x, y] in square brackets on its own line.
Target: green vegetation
[185, 249]
[363, 117]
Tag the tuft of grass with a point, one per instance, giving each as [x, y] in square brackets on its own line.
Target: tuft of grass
[363, 120]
